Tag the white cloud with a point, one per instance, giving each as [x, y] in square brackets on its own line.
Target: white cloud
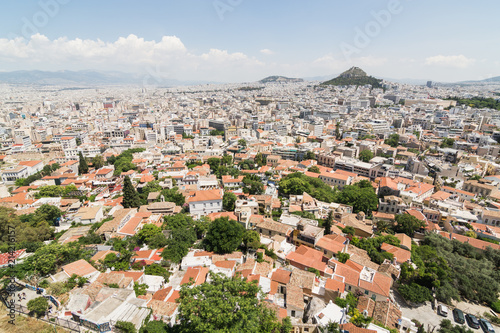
[129, 53]
[457, 61]
[266, 52]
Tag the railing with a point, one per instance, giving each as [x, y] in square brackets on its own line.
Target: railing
[50, 319]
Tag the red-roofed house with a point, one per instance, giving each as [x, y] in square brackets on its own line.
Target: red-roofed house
[10, 258]
[205, 202]
[105, 173]
[305, 257]
[81, 268]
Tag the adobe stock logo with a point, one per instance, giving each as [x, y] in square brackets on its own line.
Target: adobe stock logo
[154, 78]
[364, 36]
[48, 9]
[223, 6]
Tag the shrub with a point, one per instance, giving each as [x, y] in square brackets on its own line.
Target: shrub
[495, 306]
[38, 306]
[414, 292]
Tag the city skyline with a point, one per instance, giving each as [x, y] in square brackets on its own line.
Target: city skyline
[238, 41]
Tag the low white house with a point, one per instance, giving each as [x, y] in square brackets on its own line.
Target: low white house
[205, 202]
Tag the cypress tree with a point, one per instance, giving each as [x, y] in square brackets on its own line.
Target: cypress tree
[328, 223]
[82, 167]
[130, 195]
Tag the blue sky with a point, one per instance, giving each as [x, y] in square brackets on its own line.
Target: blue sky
[245, 40]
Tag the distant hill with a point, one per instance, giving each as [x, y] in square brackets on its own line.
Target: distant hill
[86, 78]
[280, 79]
[491, 80]
[354, 76]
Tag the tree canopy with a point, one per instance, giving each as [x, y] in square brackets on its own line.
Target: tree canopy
[83, 166]
[228, 201]
[130, 196]
[366, 155]
[393, 140]
[456, 270]
[38, 305]
[253, 185]
[297, 183]
[226, 305]
[360, 197]
[408, 224]
[223, 236]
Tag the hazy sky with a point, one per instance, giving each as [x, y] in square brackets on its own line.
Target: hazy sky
[246, 40]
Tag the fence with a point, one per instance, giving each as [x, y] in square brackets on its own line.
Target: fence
[51, 319]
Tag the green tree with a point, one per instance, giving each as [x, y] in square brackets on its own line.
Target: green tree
[260, 159]
[361, 199]
[83, 166]
[349, 231]
[338, 134]
[157, 270]
[140, 288]
[125, 327]
[147, 233]
[48, 213]
[173, 195]
[225, 305]
[342, 257]
[251, 239]
[242, 142]
[328, 223]
[447, 143]
[228, 201]
[414, 292]
[226, 160]
[182, 236]
[130, 196]
[366, 155]
[224, 236]
[214, 163]
[393, 140]
[408, 224]
[38, 305]
[309, 155]
[384, 226]
[20, 182]
[156, 326]
[253, 185]
[98, 161]
[447, 327]
[314, 169]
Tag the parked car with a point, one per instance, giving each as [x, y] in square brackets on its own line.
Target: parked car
[472, 321]
[458, 315]
[486, 326]
[442, 310]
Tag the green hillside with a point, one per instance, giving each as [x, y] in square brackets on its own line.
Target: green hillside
[354, 76]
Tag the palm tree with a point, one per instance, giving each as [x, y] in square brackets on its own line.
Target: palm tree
[383, 226]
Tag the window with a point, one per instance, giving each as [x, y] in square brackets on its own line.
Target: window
[293, 313]
[367, 292]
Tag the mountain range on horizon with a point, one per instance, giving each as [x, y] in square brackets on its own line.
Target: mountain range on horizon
[106, 78]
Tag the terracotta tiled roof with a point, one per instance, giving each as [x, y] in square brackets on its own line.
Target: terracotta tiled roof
[80, 267]
[282, 276]
[206, 195]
